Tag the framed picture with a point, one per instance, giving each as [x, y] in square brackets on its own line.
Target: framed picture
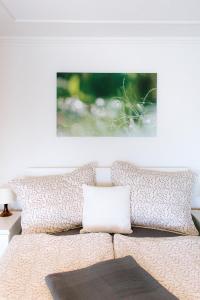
[106, 104]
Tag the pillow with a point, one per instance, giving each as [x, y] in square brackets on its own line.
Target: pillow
[52, 203]
[106, 209]
[159, 200]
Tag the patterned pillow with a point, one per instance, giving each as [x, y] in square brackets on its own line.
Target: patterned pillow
[52, 203]
[159, 200]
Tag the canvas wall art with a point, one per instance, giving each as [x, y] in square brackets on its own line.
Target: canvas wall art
[106, 104]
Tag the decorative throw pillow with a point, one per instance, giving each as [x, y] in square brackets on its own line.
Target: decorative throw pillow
[52, 203]
[159, 200]
[106, 209]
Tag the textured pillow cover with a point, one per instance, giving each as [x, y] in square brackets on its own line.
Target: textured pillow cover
[52, 203]
[159, 200]
[106, 209]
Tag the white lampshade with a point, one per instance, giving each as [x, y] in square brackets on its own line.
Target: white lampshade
[6, 196]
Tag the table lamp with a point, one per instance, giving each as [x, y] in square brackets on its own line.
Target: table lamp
[6, 197]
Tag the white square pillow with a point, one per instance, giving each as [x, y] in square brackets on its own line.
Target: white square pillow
[159, 200]
[106, 209]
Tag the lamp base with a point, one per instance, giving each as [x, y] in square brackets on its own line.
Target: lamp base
[5, 212]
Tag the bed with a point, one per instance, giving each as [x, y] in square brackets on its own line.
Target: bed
[172, 259]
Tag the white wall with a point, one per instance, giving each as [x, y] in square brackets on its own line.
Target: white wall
[28, 102]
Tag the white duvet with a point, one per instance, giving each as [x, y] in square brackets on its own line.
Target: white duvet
[174, 262]
[29, 258]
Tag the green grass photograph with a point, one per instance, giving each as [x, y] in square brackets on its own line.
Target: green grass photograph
[106, 104]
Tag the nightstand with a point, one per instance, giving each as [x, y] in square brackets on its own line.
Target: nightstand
[196, 218]
[9, 226]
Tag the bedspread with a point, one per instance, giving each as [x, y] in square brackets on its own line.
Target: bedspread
[29, 258]
[173, 262]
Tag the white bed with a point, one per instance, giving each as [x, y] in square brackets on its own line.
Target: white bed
[31, 257]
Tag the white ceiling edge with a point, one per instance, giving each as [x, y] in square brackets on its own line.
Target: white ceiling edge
[105, 10]
[5, 15]
[139, 22]
[97, 40]
[11, 25]
[98, 30]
